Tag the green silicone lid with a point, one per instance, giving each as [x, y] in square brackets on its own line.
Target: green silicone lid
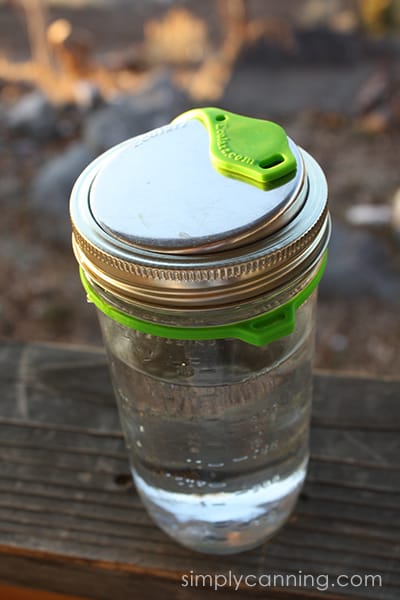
[258, 331]
[252, 150]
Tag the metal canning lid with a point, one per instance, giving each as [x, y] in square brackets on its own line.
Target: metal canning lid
[210, 210]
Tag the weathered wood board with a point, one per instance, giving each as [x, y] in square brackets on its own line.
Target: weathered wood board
[70, 520]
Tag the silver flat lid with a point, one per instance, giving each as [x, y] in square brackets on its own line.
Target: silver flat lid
[159, 221]
[161, 192]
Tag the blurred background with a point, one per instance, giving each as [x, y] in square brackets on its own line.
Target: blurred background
[77, 77]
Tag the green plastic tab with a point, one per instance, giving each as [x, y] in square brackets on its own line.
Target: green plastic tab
[258, 331]
[252, 150]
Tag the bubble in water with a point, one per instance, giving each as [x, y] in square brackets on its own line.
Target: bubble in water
[240, 459]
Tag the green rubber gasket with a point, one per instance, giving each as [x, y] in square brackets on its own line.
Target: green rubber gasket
[257, 331]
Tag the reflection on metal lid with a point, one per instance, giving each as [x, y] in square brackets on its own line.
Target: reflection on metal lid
[162, 192]
[155, 223]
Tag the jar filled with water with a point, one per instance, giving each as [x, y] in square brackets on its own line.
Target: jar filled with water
[201, 244]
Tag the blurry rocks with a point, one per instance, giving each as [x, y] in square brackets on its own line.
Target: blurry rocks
[324, 45]
[374, 215]
[10, 188]
[133, 114]
[396, 215]
[359, 266]
[52, 188]
[127, 116]
[372, 92]
[377, 104]
[32, 115]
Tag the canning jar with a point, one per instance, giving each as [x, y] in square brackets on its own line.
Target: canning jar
[201, 244]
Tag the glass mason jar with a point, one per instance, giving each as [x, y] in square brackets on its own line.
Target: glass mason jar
[202, 244]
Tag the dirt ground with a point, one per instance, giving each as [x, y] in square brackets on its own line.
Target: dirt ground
[358, 320]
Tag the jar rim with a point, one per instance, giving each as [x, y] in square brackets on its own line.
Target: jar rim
[258, 330]
[205, 280]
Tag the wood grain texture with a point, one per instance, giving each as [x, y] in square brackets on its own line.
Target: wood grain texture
[71, 522]
[19, 593]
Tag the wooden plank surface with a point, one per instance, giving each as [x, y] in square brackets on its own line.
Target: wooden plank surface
[18, 593]
[71, 522]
